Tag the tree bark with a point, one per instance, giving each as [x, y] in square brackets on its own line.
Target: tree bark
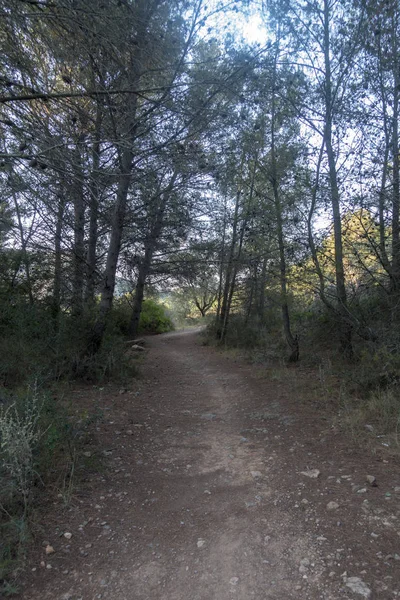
[114, 247]
[25, 257]
[56, 300]
[345, 327]
[292, 340]
[221, 267]
[79, 235]
[396, 173]
[261, 298]
[94, 192]
[223, 316]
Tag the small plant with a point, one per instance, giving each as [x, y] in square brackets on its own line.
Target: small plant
[19, 437]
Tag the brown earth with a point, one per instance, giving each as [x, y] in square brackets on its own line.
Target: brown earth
[201, 495]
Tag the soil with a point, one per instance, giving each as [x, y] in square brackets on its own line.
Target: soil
[206, 492]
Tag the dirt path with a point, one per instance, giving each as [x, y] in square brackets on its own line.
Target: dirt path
[203, 496]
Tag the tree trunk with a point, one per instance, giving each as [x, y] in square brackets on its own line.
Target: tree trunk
[253, 280]
[56, 300]
[79, 236]
[222, 322]
[233, 281]
[145, 12]
[396, 178]
[261, 300]
[345, 327]
[150, 246]
[94, 192]
[291, 340]
[221, 267]
[144, 269]
[25, 257]
[114, 247]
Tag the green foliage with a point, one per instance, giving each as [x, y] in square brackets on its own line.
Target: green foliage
[24, 428]
[19, 437]
[36, 346]
[259, 341]
[154, 318]
[40, 448]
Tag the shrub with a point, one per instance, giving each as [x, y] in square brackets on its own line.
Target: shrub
[40, 443]
[19, 436]
[154, 318]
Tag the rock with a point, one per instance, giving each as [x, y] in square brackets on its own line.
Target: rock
[234, 580]
[256, 474]
[87, 454]
[137, 348]
[304, 564]
[49, 549]
[362, 491]
[358, 586]
[371, 480]
[208, 416]
[200, 543]
[369, 428]
[397, 488]
[48, 566]
[312, 473]
[332, 506]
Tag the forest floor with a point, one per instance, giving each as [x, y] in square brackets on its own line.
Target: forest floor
[208, 489]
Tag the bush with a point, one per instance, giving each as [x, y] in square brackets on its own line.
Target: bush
[258, 340]
[20, 436]
[40, 449]
[154, 318]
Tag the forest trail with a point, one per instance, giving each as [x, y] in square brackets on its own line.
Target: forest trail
[206, 494]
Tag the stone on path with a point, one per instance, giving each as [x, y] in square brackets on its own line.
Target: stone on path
[312, 473]
[358, 586]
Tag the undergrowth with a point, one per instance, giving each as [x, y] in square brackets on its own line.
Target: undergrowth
[41, 455]
[362, 396]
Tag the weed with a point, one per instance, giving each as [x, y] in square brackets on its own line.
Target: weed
[19, 437]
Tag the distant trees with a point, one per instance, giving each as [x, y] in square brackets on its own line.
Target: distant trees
[135, 133]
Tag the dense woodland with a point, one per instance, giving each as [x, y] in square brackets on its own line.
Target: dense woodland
[152, 152]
